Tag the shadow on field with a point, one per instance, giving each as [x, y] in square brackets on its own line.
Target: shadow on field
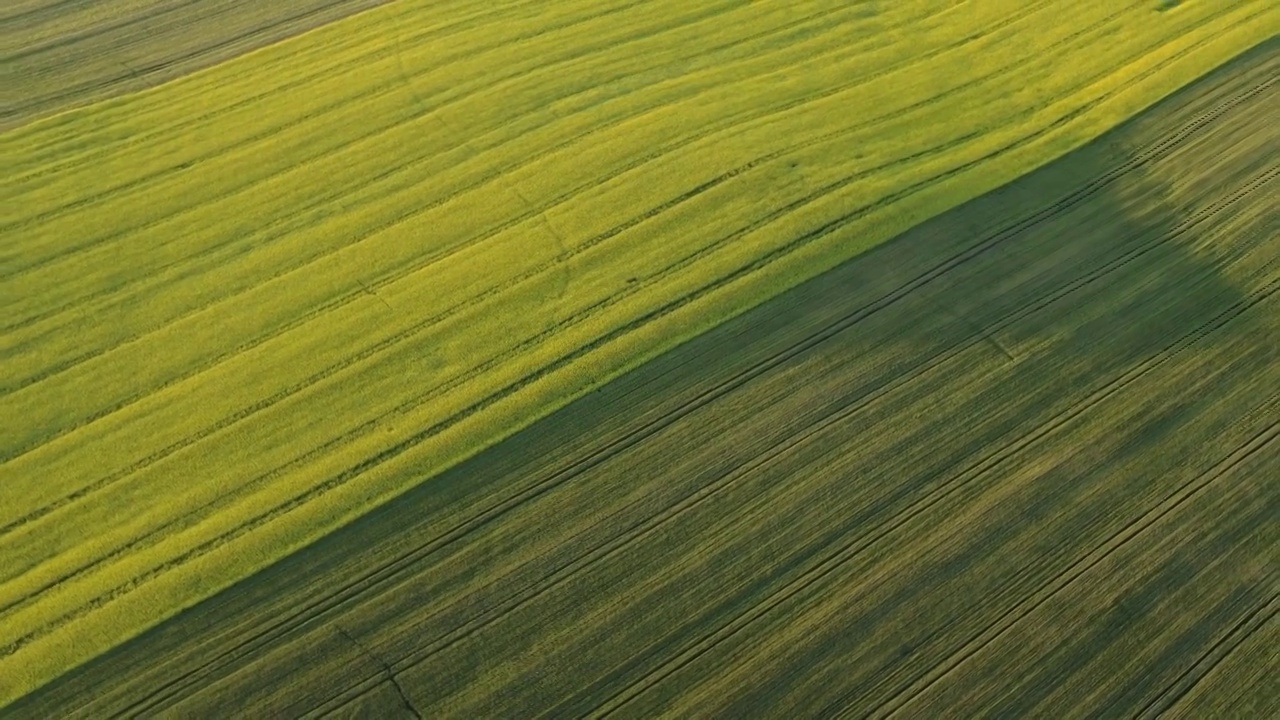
[819, 503]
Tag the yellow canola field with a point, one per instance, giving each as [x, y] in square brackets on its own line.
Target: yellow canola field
[249, 305]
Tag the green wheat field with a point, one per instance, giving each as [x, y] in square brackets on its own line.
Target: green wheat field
[727, 358]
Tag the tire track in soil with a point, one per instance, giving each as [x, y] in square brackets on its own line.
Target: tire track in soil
[832, 561]
[389, 570]
[525, 161]
[357, 294]
[1135, 528]
[803, 436]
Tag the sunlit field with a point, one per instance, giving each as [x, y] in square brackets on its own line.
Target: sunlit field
[247, 306]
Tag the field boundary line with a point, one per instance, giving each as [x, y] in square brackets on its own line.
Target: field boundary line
[357, 293]
[788, 444]
[373, 577]
[831, 561]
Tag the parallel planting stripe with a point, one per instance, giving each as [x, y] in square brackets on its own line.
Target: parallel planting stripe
[246, 307]
[989, 466]
[68, 54]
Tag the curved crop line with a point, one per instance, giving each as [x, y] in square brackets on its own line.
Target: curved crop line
[524, 161]
[386, 573]
[403, 446]
[156, 534]
[338, 302]
[640, 528]
[493, 362]
[100, 150]
[111, 25]
[133, 545]
[374, 51]
[662, 311]
[472, 410]
[491, 292]
[323, 199]
[474, 301]
[318, 113]
[834, 90]
[38, 169]
[396, 275]
[435, 392]
[90, 89]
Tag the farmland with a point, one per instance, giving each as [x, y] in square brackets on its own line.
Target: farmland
[248, 306]
[55, 54]
[1019, 460]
